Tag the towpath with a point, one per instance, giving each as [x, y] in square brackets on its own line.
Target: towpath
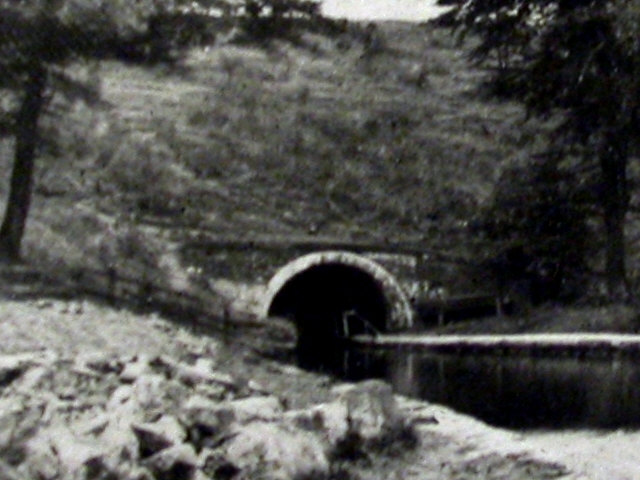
[552, 342]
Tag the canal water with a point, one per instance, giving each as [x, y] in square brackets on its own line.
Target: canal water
[514, 392]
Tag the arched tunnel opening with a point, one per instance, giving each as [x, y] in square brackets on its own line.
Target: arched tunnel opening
[317, 300]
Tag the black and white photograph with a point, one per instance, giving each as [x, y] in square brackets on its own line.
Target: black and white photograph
[319, 239]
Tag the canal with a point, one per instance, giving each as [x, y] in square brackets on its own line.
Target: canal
[515, 392]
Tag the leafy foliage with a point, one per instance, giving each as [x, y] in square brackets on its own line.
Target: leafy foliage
[538, 218]
[576, 62]
[39, 39]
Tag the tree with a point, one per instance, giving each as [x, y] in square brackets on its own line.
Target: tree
[577, 64]
[537, 223]
[38, 39]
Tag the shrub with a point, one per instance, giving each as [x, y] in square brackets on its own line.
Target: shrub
[538, 218]
[142, 172]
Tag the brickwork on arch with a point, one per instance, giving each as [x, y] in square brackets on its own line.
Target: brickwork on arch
[400, 310]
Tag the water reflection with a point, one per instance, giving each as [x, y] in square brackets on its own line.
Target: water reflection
[513, 392]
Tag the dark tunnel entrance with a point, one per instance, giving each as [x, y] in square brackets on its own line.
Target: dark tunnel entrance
[317, 299]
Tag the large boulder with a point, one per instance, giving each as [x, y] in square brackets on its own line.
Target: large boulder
[367, 410]
[371, 407]
[155, 436]
[275, 451]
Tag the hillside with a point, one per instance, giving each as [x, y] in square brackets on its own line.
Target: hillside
[333, 136]
[327, 138]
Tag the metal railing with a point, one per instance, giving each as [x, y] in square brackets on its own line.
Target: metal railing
[349, 317]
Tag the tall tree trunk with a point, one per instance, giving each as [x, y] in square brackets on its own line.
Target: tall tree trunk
[615, 203]
[26, 141]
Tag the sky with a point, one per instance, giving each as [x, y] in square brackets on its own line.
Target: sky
[407, 10]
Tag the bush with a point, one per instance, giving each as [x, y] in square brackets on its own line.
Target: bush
[143, 174]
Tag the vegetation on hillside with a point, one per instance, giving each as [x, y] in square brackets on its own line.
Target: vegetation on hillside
[575, 64]
[38, 40]
[317, 137]
[371, 132]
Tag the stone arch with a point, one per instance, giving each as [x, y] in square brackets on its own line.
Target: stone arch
[372, 284]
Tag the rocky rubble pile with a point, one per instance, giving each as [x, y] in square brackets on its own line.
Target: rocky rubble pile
[108, 417]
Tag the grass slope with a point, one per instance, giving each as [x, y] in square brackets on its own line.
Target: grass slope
[327, 137]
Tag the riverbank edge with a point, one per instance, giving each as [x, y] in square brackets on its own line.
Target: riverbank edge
[578, 344]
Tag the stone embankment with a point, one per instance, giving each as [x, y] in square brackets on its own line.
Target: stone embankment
[101, 416]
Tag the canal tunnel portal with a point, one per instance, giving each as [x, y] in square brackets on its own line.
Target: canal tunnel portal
[319, 290]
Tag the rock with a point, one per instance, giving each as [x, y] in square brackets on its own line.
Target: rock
[138, 473]
[198, 410]
[124, 410]
[151, 395]
[179, 462]
[149, 391]
[16, 360]
[93, 426]
[210, 422]
[120, 397]
[214, 464]
[19, 418]
[211, 391]
[59, 452]
[14, 366]
[205, 365]
[40, 464]
[134, 370]
[156, 436]
[44, 304]
[33, 379]
[367, 409]
[192, 375]
[329, 419]
[207, 422]
[256, 387]
[233, 384]
[255, 408]
[275, 451]
[96, 468]
[199, 373]
[371, 408]
[7, 472]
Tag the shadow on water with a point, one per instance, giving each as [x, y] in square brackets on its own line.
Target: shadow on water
[511, 392]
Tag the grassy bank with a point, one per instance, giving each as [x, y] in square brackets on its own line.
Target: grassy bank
[325, 137]
[330, 137]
